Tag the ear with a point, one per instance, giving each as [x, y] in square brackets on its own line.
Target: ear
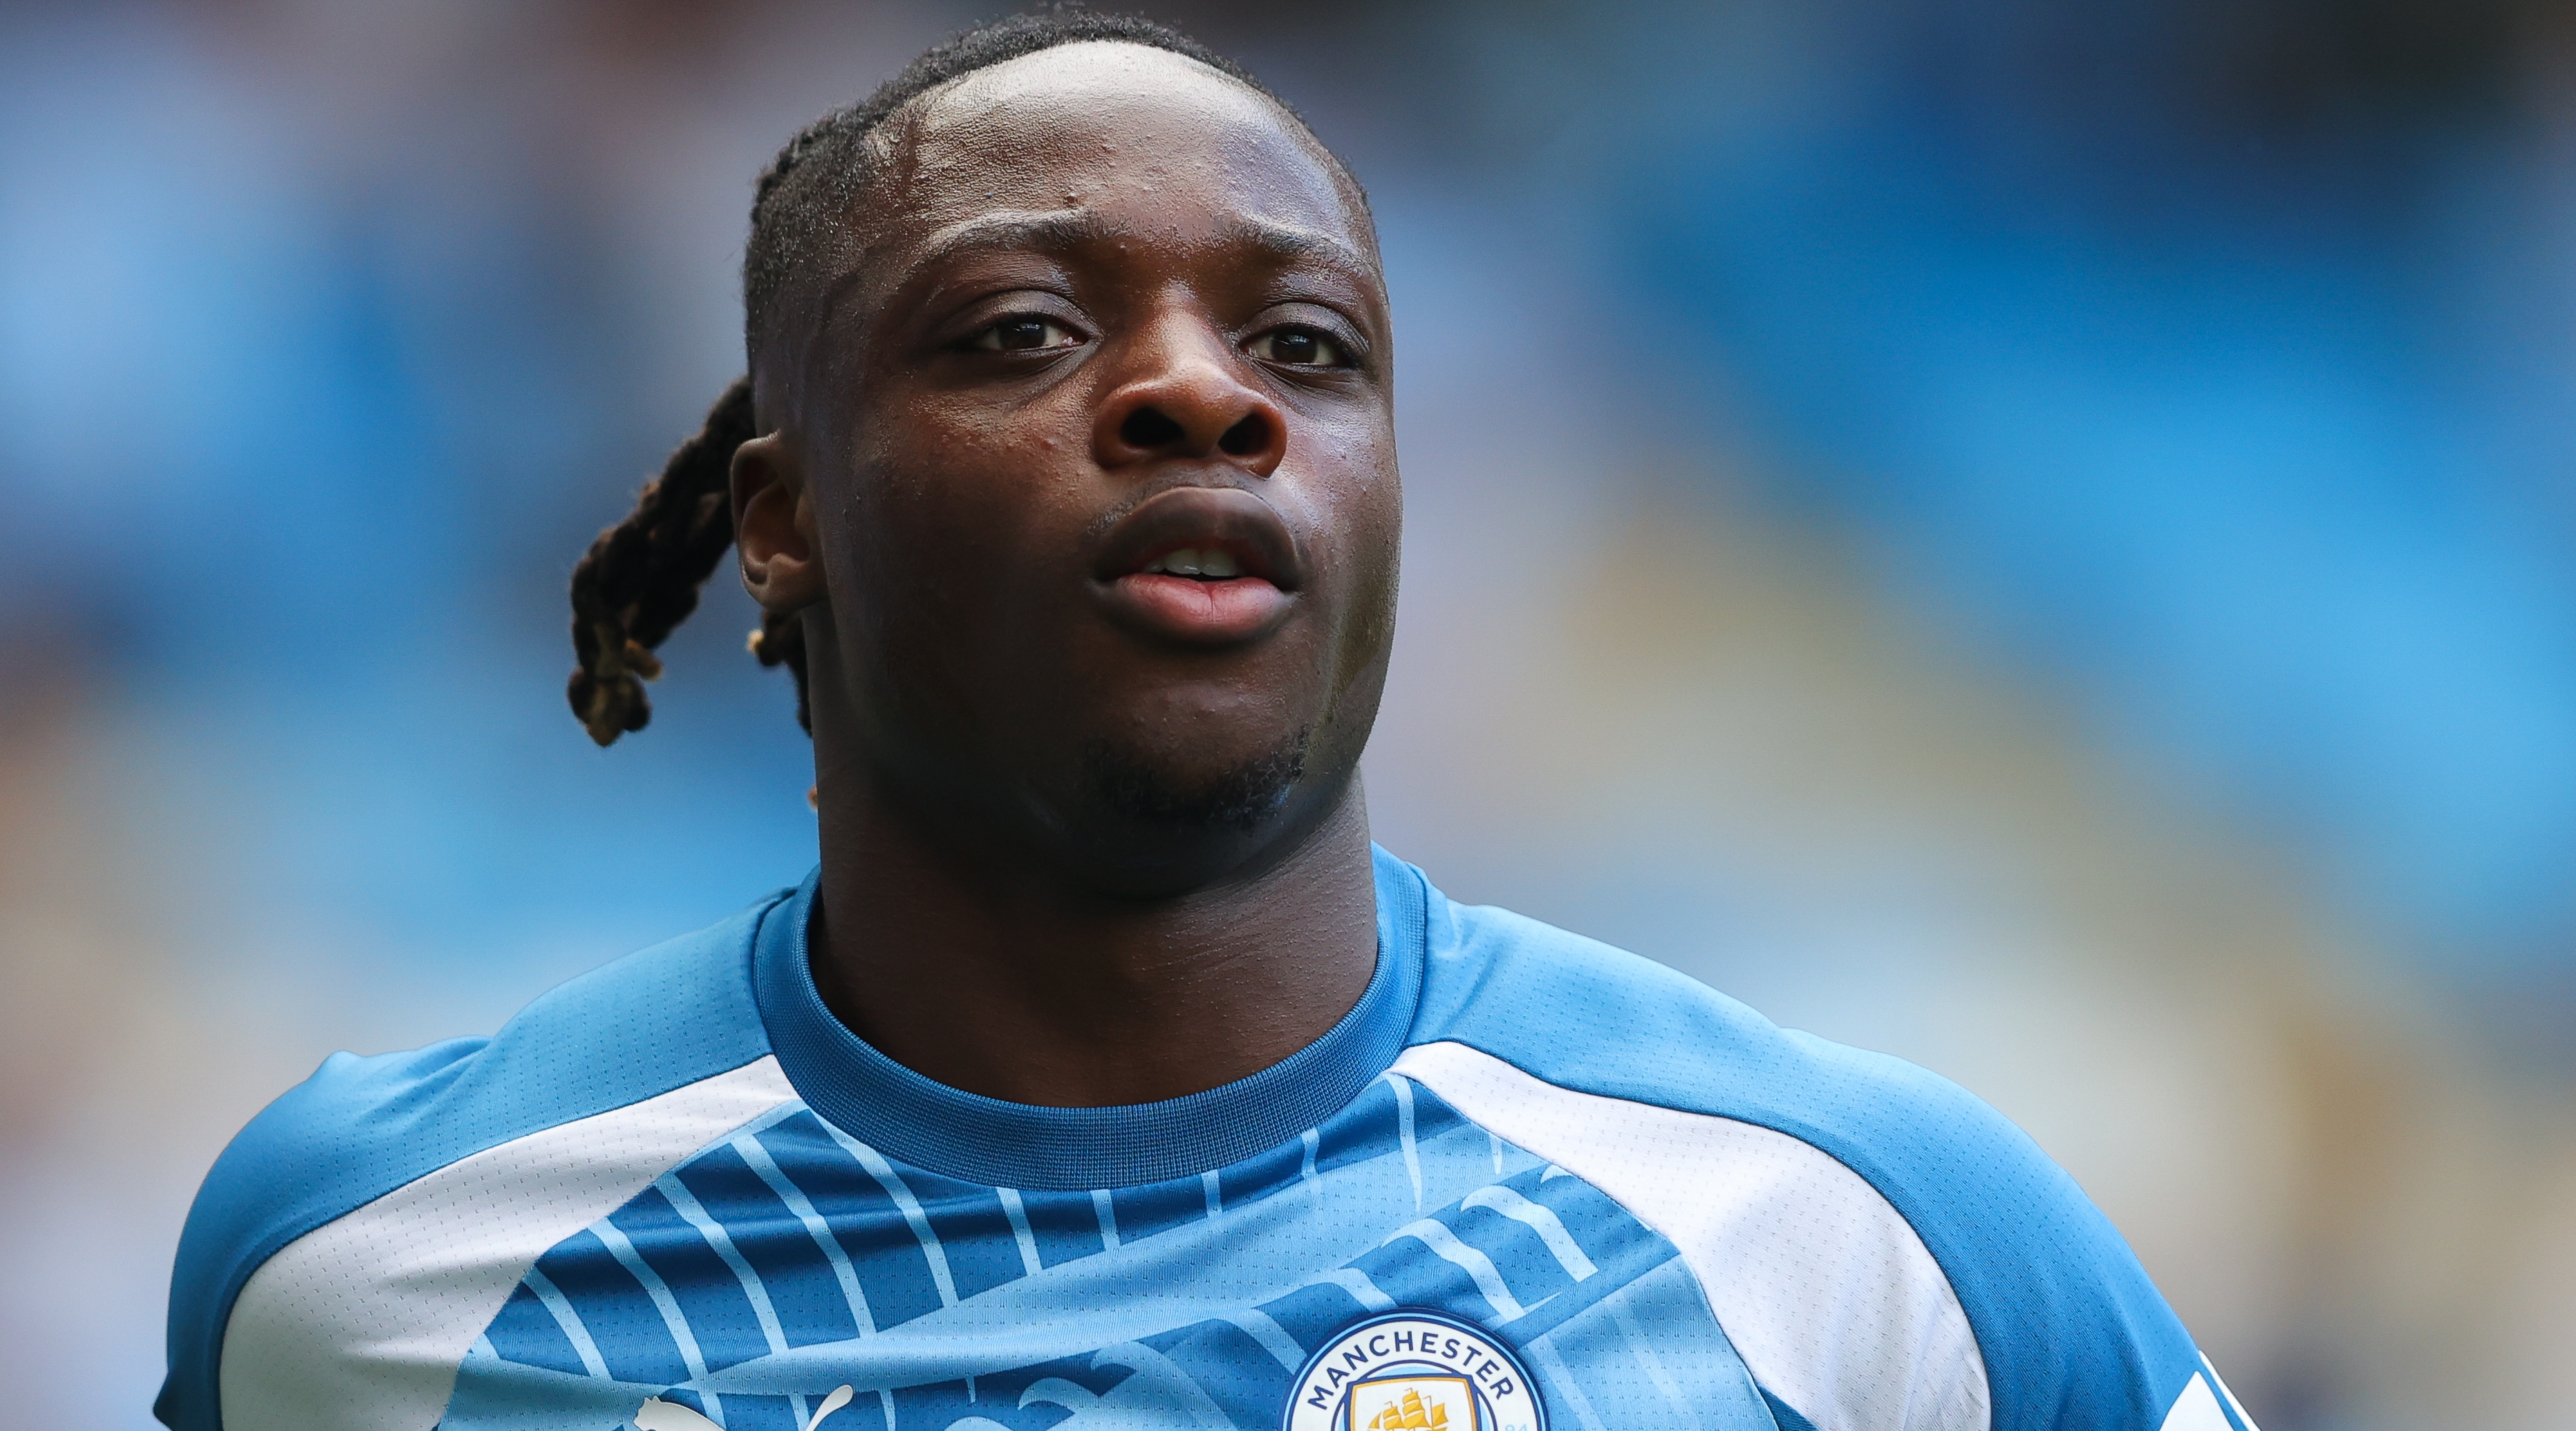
[773, 526]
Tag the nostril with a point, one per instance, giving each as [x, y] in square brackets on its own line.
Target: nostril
[1147, 428]
[1246, 437]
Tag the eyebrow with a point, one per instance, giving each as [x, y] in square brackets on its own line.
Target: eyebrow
[1056, 232]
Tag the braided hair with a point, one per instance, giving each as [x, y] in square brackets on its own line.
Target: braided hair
[640, 579]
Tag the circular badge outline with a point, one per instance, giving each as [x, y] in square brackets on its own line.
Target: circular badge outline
[1510, 1354]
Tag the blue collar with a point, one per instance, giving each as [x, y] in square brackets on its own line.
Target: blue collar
[948, 1130]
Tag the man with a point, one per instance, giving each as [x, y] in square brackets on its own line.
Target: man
[1103, 1073]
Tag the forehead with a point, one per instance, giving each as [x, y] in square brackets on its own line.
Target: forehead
[1106, 124]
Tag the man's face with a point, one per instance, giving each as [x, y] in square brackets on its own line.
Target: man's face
[1102, 471]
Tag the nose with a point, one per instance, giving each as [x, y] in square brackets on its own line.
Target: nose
[1182, 392]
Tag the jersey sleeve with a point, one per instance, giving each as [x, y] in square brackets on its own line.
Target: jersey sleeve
[360, 1128]
[2071, 1333]
[2071, 1330]
[291, 1169]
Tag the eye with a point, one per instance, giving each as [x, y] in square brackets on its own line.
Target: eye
[1298, 347]
[1022, 333]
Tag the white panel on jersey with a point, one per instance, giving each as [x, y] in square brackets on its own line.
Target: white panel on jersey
[359, 1324]
[1825, 1290]
[2232, 1403]
[2197, 1410]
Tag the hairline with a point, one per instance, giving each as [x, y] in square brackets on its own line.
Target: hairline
[872, 136]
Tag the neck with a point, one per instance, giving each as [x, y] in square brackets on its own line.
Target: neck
[1009, 983]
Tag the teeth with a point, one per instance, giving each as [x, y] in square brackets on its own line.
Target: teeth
[1191, 561]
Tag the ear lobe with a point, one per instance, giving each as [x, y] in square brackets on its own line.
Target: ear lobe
[773, 526]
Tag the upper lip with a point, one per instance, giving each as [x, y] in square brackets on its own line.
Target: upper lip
[1227, 519]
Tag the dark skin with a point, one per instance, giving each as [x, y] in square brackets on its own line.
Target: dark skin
[1081, 468]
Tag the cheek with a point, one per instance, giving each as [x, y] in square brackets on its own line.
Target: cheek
[950, 514]
[1374, 515]
[1366, 518]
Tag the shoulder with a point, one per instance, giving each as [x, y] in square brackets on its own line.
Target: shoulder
[360, 1128]
[1583, 1015]
[1829, 1188]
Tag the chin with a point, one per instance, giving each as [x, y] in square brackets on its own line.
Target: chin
[1141, 789]
[1148, 826]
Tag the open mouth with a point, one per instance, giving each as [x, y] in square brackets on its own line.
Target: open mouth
[1197, 563]
[1203, 565]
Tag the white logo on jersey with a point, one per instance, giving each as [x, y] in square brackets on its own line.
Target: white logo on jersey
[659, 1415]
[1413, 1370]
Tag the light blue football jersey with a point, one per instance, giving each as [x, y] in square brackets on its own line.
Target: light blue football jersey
[1528, 1183]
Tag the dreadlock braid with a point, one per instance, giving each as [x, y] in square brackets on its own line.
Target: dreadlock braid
[641, 578]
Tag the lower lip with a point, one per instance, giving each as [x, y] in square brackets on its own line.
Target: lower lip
[1186, 609]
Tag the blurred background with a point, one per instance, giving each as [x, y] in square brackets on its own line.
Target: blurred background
[2039, 538]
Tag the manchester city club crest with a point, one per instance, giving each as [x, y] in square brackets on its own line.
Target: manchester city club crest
[1414, 1370]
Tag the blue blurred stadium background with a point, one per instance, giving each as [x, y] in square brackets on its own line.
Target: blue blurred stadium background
[2039, 538]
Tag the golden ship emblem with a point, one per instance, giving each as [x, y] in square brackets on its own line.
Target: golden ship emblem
[1412, 1414]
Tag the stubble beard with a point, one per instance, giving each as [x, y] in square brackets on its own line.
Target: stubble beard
[1139, 790]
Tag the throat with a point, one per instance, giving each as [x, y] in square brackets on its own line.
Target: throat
[1024, 993]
